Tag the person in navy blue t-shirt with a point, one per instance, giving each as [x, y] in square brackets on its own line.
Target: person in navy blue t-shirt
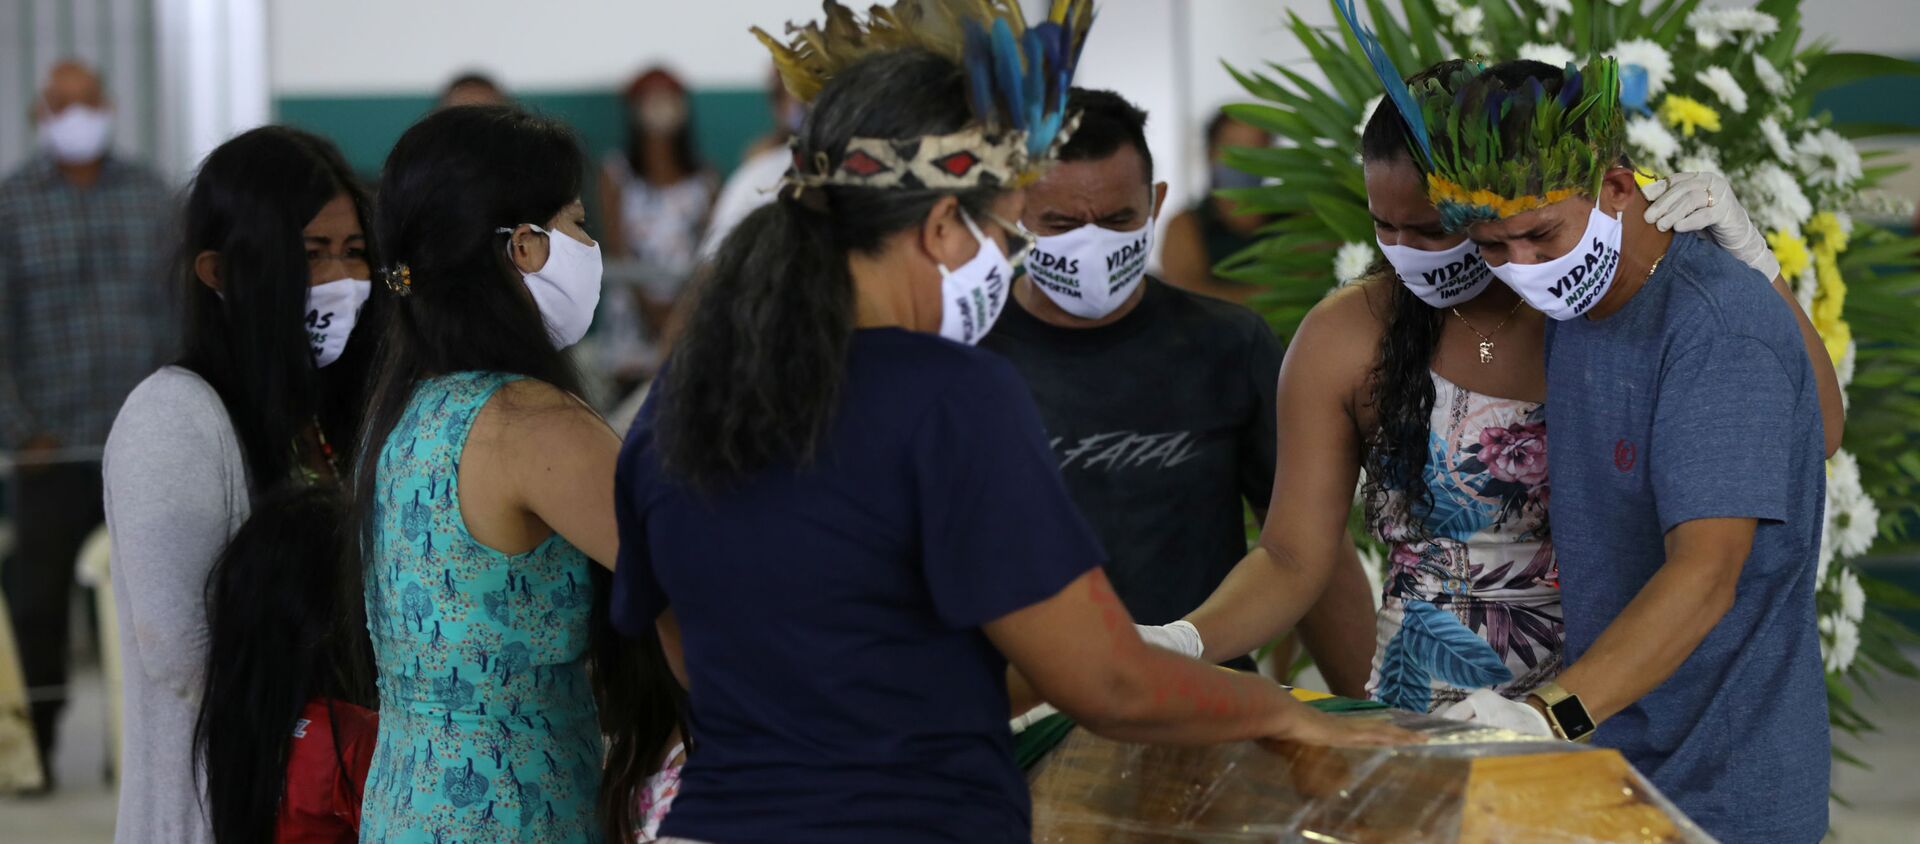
[1688, 482]
[845, 521]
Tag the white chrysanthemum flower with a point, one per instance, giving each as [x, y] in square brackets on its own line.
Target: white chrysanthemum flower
[1853, 599]
[1651, 141]
[1351, 262]
[1366, 114]
[1844, 369]
[1713, 27]
[1826, 555]
[1826, 625]
[1448, 8]
[1702, 159]
[1839, 642]
[1776, 139]
[1720, 81]
[1544, 26]
[1552, 55]
[1564, 7]
[1828, 159]
[1749, 22]
[1856, 525]
[1774, 199]
[1843, 476]
[1468, 21]
[1846, 643]
[1650, 56]
[1479, 46]
[1770, 78]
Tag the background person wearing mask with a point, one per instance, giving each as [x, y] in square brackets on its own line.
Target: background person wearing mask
[1159, 401]
[83, 318]
[1213, 229]
[656, 195]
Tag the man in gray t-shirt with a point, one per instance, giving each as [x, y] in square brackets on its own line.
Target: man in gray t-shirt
[1685, 443]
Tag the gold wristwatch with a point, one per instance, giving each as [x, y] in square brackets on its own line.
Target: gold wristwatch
[1565, 713]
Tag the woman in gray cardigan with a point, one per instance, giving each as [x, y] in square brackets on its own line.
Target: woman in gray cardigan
[274, 273]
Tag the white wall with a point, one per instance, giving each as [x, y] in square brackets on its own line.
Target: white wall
[389, 46]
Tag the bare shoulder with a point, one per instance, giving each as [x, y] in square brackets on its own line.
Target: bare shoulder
[1342, 332]
[536, 411]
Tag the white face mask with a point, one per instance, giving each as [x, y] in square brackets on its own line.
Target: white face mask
[567, 287]
[76, 134]
[332, 309]
[1441, 279]
[972, 296]
[1090, 271]
[1570, 285]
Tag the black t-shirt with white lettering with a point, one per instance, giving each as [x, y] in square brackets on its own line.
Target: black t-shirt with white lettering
[1164, 424]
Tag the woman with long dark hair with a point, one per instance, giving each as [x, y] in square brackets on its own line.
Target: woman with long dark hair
[1432, 379]
[274, 270]
[656, 196]
[482, 504]
[852, 514]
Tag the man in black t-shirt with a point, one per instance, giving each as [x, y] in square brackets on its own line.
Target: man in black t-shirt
[1159, 401]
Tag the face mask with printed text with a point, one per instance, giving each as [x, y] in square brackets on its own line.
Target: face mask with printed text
[1090, 271]
[1570, 285]
[1443, 278]
[332, 310]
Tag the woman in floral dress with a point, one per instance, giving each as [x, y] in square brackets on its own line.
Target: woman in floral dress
[1430, 377]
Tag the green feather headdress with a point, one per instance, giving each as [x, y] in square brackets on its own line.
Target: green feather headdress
[1500, 152]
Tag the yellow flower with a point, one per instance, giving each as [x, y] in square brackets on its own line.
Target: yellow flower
[1827, 232]
[1836, 336]
[1830, 298]
[1791, 252]
[1688, 114]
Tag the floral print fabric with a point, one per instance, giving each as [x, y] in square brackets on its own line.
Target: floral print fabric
[1471, 597]
[487, 723]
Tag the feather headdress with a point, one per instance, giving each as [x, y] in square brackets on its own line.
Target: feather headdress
[1498, 152]
[1017, 79]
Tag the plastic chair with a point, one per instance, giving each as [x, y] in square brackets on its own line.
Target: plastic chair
[94, 569]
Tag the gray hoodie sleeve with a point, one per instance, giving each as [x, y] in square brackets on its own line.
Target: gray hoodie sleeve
[175, 493]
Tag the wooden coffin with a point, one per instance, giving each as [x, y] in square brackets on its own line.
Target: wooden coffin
[1466, 784]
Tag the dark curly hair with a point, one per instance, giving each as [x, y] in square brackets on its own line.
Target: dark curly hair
[1401, 390]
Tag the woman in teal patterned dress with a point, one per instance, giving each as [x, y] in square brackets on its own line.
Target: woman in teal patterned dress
[484, 495]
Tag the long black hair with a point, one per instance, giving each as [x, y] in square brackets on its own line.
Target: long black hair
[284, 625]
[757, 371]
[250, 201]
[1401, 390]
[451, 183]
[280, 632]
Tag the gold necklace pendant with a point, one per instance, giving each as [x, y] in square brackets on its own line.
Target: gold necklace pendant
[1486, 340]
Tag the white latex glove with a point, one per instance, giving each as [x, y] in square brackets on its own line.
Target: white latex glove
[1180, 637]
[1487, 708]
[1690, 202]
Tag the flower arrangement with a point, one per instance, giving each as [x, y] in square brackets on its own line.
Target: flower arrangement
[1726, 90]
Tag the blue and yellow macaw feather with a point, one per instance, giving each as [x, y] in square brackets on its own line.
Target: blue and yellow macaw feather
[1391, 81]
[1017, 77]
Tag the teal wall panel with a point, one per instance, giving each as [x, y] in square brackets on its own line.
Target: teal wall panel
[725, 121]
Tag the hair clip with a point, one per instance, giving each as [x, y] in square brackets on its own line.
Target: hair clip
[399, 279]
